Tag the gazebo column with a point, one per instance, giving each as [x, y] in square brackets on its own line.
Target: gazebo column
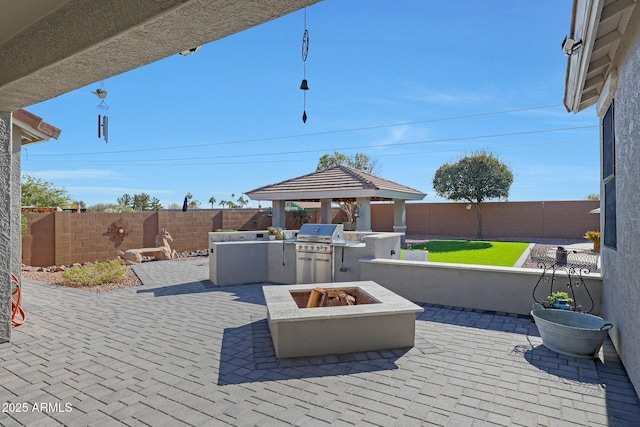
[400, 219]
[363, 223]
[325, 211]
[279, 218]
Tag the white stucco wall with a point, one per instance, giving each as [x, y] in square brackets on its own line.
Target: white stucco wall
[621, 267]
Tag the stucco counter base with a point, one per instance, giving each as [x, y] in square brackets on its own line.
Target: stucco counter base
[388, 323]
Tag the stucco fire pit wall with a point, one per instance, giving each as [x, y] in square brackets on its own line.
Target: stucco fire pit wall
[386, 321]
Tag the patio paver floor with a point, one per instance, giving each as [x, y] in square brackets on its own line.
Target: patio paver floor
[180, 351]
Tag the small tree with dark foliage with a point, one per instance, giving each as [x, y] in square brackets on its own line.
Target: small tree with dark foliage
[475, 179]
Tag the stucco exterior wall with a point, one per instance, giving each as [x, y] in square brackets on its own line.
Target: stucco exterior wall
[621, 267]
[6, 144]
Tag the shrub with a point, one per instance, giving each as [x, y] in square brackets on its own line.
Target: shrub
[97, 273]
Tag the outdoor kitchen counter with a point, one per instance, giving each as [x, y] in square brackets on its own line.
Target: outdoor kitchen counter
[242, 262]
[274, 261]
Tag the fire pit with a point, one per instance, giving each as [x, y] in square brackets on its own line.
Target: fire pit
[379, 320]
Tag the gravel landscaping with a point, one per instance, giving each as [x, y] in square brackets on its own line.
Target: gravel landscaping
[53, 274]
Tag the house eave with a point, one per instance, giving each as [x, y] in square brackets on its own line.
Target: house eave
[600, 25]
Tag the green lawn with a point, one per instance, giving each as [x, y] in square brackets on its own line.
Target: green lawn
[473, 251]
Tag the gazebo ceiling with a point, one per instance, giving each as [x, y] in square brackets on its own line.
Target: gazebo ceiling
[339, 183]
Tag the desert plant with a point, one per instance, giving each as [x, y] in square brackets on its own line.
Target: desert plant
[554, 297]
[96, 273]
[594, 236]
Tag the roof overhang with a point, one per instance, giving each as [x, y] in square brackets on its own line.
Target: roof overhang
[51, 47]
[33, 129]
[600, 25]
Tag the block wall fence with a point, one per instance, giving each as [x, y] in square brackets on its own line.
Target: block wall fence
[62, 238]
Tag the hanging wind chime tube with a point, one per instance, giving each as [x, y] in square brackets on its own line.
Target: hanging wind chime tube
[103, 119]
[305, 51]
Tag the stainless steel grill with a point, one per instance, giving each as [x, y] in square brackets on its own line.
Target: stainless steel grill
[314, 252]
[321, 233]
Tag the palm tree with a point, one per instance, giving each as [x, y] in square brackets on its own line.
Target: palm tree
[212, 200]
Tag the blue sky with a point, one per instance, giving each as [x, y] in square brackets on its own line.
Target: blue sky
[412, 84]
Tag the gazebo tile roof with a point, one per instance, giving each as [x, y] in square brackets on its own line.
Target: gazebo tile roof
[338, 179]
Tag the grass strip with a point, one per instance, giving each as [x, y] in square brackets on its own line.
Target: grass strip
[482, 252]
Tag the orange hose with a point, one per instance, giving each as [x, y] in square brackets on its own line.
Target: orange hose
[16, 310]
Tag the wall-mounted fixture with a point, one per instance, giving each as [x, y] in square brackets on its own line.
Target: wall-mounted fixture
[468, 206]
[270, 212]
[356, 212]
[190, 51]
[570, 46]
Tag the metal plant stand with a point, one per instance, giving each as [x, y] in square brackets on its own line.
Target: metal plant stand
[573, 264]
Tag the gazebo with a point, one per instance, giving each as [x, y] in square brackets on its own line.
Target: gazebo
[339, 184]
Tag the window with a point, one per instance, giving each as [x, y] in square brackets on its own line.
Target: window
[610, 235]
[609, 178]
[608, 145]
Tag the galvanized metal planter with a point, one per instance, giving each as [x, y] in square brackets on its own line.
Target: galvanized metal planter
[569, 332]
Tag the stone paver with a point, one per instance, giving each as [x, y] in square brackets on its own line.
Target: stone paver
[180, 351]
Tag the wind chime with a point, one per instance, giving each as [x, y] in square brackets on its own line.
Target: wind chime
[305, 51]
[103, 109]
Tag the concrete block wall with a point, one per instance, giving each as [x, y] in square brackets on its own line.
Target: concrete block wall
[554, 219]
[67, 237]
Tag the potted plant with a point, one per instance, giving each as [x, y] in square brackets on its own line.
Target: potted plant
[560, 300]
[279, 234]
[272, 233]
[594, 236]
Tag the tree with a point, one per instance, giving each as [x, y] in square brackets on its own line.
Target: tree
[242, 202]
[474, 179]
[140, 202]
[358, 161]
[40, 193]
[212, 200]
[593, 196]
[109, 208]
[125, 200]
[155, 204]
[191, 202]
